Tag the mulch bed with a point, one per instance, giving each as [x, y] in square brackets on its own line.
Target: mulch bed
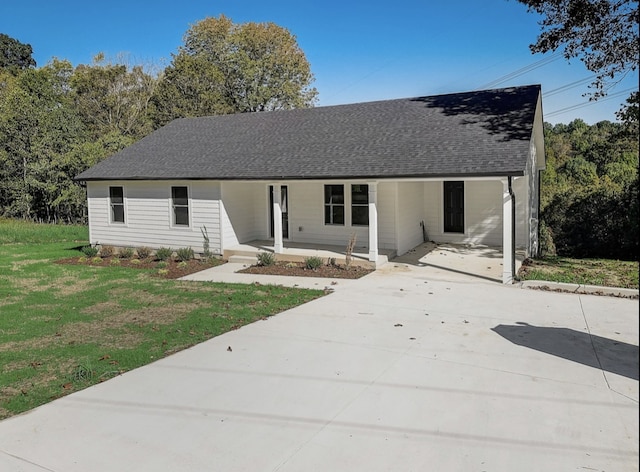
[173, 270]
[299, 270]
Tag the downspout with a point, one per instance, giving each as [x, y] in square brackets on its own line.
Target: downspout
[512, 195]
[538, 242]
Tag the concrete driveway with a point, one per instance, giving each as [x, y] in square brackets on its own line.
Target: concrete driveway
[393, 372]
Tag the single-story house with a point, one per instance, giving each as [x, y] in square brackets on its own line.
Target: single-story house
[462, 168]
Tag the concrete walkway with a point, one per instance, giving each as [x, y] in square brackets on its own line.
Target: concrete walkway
[392, 372]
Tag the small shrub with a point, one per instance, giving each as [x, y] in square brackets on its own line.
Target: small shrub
[90, 251]
[266, 258]
[182, 264]
[205, 244]
[135, 262]
[96, 260]
[163, 271]
[115, 262]
[161, 264]
[107, 251]
[143, 252]
[82, 259]
[82, 373]
[349, 250]
[312, 262]
[126, 253]
[164, 253]
[185, 254]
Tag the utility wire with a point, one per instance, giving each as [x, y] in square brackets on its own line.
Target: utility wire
[542, 62]
[567, 86]
[588, 103]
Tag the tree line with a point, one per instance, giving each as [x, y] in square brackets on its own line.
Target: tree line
[589, 190]
[59, 119]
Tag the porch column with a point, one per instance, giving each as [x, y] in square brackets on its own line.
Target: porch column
[507, 235]
[277, 219]
[373, 221]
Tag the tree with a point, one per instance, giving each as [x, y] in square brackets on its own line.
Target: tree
[113, 97]
[602, 33]
[37, 125]
[14, 55]
[229, 68]
[589, 191]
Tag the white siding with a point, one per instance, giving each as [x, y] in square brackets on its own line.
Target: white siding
[242, 212]
[520, 189]
[387, 215]
[482, 213]
[148, 216]
[433, 210]
[409, 211]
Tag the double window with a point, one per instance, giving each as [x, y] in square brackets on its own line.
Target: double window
[116, 202]
[180, 206]
[334, 205]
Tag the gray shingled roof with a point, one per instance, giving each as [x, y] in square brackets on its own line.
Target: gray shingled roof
[478, 133]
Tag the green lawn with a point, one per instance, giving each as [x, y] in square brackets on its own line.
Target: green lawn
[65, 327]
[602, 272]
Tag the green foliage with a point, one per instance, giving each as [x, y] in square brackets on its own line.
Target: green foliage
[312, 262]
[601, 272]
[107, 251]
[143, 252]
[14, 55]
[205, 245]
[266, 258]
[185, 254]
[602, 33]
[589, 192]
[126, 253]
[89, 251]
[20, 231]
[113, 97]
[164, 253]
[56, 121]
[229, 68]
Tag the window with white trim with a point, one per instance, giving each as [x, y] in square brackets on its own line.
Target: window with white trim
[334, 204]
[180, 206]
[116, 203]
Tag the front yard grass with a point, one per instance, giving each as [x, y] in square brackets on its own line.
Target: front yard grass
[601, 272]
[66, 327]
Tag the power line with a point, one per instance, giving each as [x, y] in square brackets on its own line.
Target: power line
[588, 103]
[567, 86]
[542, 62]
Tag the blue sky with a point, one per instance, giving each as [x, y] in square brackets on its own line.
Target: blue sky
[358, 51]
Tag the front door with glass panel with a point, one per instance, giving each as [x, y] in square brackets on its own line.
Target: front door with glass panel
[284, 204]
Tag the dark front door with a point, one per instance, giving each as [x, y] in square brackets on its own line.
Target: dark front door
[284, 204]
[454, 207]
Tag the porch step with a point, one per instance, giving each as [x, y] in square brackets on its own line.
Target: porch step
[242, 259]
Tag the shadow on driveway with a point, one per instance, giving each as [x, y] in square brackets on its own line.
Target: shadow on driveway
[594, 351]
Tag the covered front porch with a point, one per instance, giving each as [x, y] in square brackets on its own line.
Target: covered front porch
[295, 219]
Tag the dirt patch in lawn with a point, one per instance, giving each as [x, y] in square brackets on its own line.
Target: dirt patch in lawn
[299, 269]
[170, 269]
